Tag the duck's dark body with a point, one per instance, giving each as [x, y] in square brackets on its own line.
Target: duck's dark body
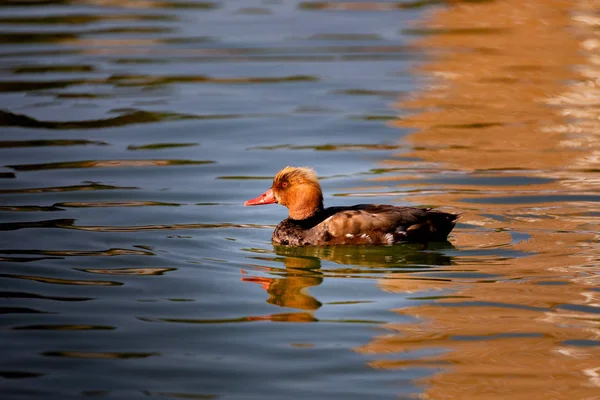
[366, 224]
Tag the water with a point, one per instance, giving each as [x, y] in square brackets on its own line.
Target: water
[132, 132]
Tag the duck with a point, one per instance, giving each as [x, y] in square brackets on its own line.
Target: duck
[309, 223]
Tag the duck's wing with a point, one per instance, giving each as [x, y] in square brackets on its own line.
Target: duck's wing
[388, 224]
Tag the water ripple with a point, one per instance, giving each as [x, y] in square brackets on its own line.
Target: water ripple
[105, 164]
[49, 142]
[25, 295]
[131, 118]
[128, 271]
[99, 355]
[59, 281]
[73, 188]
[57, 327]
[82, 253]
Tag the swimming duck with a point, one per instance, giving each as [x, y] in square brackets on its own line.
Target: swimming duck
[309, 223]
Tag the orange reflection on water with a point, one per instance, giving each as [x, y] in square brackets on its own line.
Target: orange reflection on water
[509, 103]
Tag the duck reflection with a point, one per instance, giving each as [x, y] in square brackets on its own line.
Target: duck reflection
[306, 267]
[399, 256]
[300, 273]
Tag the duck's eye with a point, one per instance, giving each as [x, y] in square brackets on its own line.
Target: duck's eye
[284, 184]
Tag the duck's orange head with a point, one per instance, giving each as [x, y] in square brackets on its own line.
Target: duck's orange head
[297, 188]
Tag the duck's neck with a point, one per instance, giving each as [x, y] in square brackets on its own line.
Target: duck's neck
[304, 212]
[310, 205]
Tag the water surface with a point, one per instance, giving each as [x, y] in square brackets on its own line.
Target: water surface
[132, 133]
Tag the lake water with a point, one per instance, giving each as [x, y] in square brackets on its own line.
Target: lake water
[133, 131]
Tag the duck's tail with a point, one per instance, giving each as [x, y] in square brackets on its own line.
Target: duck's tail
[433, 227]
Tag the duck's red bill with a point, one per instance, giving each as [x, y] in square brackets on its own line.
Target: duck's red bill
[265, 198]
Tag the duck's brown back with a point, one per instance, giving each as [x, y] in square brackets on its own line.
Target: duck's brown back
[366, 224]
